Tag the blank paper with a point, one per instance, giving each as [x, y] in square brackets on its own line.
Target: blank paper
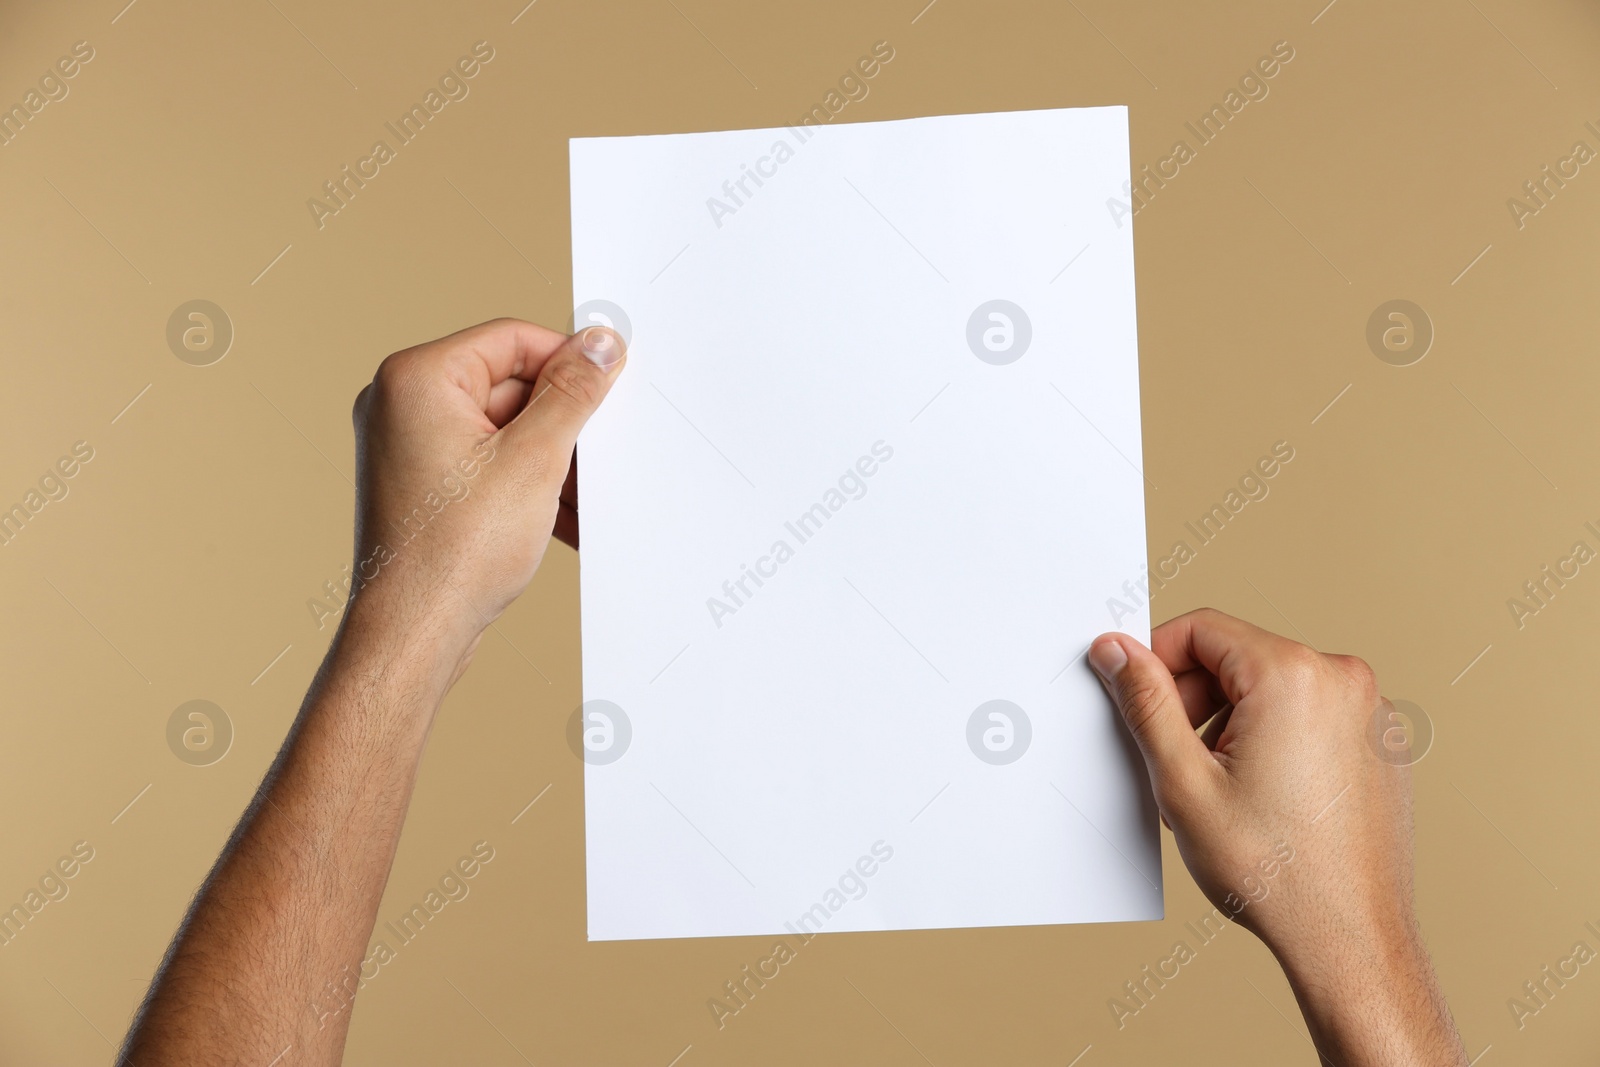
[868, 487]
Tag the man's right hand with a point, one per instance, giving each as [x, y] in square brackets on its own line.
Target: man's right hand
[1289, 820]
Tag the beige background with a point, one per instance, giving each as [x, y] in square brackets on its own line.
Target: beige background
[180, 564]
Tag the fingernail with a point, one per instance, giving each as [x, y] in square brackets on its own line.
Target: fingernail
[1108, 659]
[600, 347]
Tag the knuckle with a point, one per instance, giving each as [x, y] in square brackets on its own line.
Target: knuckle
[1301, 666]
[1360, 674]
[391, 376]
[1202, 619]
[1141, 701]
[575, 382]
[1139, 720]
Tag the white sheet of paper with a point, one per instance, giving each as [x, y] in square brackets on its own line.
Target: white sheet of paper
[837, 504]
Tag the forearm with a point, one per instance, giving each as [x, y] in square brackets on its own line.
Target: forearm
[290, 905]
[1375, 1002]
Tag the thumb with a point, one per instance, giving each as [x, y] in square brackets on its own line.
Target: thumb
[571, 385]
[1148, 699]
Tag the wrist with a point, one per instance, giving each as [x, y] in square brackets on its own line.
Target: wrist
[1370, 996]
[396, 641]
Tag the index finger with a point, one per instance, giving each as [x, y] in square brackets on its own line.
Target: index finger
[480, 357]
[1236, 652]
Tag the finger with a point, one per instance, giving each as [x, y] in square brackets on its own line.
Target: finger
[569, 488]
[506, 399]
[1236, 652]
[1202, 696]
[1148, 699]
[566, 529]
[571, 385]
[480, 357]
[1213, 733]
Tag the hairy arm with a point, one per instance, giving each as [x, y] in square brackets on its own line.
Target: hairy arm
[463, 447]
[290, 905]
